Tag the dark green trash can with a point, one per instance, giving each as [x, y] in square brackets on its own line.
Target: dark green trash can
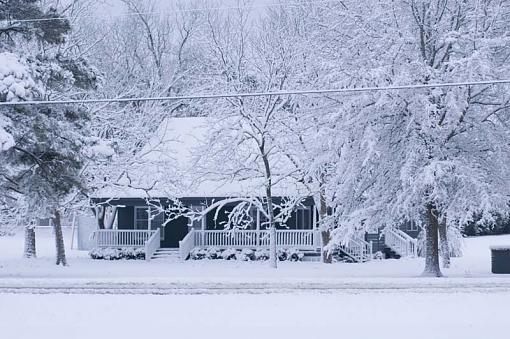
[500, 259]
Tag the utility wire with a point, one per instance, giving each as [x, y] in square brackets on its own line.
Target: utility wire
[189, 10]
[258, 94]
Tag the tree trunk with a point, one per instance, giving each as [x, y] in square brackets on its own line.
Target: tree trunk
[59, 239]
[444, 246]
[432, 268]
[111, 217]
[273, 257]
[100, 213]
[327, 258]
[29, 251]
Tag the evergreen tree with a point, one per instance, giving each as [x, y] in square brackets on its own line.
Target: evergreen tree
[43, 160]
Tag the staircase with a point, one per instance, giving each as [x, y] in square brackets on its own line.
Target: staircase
[389, 253]
[357, 249]
[400, 243]
[166, 254]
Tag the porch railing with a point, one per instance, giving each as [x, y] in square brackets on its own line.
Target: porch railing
[152, 245]
[122, 238]
[400, 242]
[186, 245]
[300, 239]
[358, 249]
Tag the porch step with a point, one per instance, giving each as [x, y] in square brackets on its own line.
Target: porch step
[166, 253]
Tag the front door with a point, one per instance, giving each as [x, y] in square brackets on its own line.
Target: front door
[174, 231]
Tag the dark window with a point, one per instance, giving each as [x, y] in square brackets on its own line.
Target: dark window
[141, 218]
[411, 226]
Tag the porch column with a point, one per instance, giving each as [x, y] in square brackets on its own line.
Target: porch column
[149, 221]
[314, 217]
[204, 226]
[316, 231]
[258, 228]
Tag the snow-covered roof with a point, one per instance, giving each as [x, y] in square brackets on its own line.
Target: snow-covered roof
[168, 166]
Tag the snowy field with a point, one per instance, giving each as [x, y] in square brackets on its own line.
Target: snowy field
[380, 299]
[472, 268]
[304, 315]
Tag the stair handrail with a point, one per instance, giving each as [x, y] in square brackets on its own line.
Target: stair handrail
[187, 244]
[358, 249]
[152, 245]
[400, 242]
[412, 242]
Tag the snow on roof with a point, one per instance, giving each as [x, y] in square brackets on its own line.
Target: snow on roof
[167, 167]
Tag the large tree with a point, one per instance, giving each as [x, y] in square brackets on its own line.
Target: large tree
[436, 156]
[43, 165]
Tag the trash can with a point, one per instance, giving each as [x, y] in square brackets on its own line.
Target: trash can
[501, 259]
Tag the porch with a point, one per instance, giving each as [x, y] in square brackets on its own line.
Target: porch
[303, 240]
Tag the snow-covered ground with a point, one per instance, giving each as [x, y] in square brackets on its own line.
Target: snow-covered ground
[472, 268]
[304, 315]
[380, 299]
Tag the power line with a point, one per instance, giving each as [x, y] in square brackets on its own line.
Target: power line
[258, 94]
[189, 10]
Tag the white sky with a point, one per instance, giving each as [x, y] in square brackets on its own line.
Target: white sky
[116, 6]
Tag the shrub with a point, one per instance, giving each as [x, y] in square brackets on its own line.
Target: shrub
[379, 255]
[229, 254]
[282, 254]
[213, 253]
[245, 255]
[198, 254]
[293, 254]
[261, 254]
[126, 253]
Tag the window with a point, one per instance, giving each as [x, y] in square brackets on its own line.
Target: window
[197, 223]
[299, 219]
[141, 218]
[411, 226]
[304, 218]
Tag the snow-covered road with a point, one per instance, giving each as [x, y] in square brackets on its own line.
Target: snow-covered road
[304, 315]
[417, 285]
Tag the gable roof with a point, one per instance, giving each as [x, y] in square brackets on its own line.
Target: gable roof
[169, 166]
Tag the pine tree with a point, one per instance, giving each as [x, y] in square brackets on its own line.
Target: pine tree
[42, 165]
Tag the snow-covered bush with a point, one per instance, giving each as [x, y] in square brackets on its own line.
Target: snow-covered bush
[282, 254]
[293, 254]
[213, 253]
[262, 254]
[229, 254]
[137, 253]
[379, 255]
[198, 254]
[245, 255]
[127, 253]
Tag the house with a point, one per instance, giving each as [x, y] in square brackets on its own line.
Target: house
[167, 170]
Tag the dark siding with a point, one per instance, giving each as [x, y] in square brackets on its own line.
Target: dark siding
[126, 217]
[377, 241]
[126, 214]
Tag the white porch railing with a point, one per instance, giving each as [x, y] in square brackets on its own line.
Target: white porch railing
[122, 238]
[186, 245]
[300, 239]
[400, 242]
[152, 245]
[358, 249]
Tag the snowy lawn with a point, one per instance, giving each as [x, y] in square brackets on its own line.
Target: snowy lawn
[464, 305]
[305, 315]
[472, 268]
